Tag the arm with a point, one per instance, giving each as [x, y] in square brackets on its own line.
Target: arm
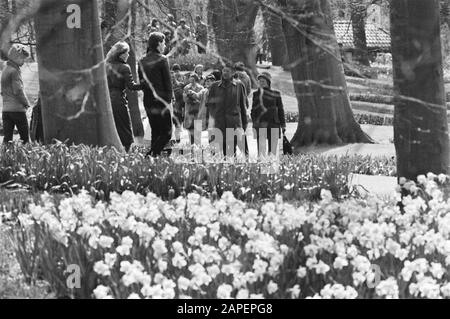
[243, 106]
[17, 88]
[281, 115]
[141, 76]
[167, 80]
[185, 97]
[255, 107]
[129, 81]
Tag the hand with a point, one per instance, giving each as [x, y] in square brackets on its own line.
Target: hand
[284, 131]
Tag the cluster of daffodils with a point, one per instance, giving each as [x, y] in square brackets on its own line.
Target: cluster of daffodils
[143, 247]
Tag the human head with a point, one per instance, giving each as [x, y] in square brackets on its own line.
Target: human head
[198, 19]
[239, 67]
[156, 42]
[199, 69]
[155, 23]
[210, 79]
[265, 80]
[193, 78]
[217, 74]
[18, 54]
[227, 73]
[119, 51]
[182, 22]
[170, 17]
[176, 68]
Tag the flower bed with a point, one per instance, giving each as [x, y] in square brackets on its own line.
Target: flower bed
[144, 247]
[293, 117]
[58, 168]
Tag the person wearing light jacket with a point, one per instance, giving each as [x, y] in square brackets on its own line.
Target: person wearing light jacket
[15, 102]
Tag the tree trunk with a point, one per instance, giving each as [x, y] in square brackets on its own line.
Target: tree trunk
[420, 117]
[171, 5]
[233, 22]
[133, 98]
[4, 34]
[326, 116]
[359, 15]
[75, 99]
[274, 29]
[115, 11]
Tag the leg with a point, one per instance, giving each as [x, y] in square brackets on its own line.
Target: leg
[273, 135]
[164, 132]
[8, 127]
[22, 126]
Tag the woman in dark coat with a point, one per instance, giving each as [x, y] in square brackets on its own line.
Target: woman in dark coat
[120, 78]
[267, 114]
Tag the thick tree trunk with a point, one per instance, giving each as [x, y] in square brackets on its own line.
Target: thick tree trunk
[4, 34]
[115, 11]
[133, 98]
[171, 5]
[359, 15]
[274, 28]
[420, 118]
[75, 99]
[326, 116]
[232, 22]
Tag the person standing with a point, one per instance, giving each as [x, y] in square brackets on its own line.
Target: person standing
[154, 26]
[182, 34]
[154, 73]
[201, 35]
[241, 75]
[226, 105]
[15, 102]
[267, 115]
[178, 105]
[120, 78]
[199, 68]
[192, 97]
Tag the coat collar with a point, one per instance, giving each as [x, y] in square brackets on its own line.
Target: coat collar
[233, 82]
[13, 64]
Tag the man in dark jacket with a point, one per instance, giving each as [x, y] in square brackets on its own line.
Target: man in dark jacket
[267, 114]
[154, 73]
[226, 105]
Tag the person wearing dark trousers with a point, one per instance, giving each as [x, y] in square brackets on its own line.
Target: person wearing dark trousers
[267, 114]
[226, 103]
[36, 127]
[120, 78]
[15, 102]
[241, 75]
[201, 35]
[154, 73]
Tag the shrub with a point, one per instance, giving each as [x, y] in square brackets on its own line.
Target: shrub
[144, 247]
[62, 169]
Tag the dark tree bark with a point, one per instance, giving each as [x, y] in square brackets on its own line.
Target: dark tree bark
[4, 34]
[115, 11]
[75, 99]
[171, 5]
[420, 117]
[359, 15]
[326, 116]
[274, 28]
[232, 22]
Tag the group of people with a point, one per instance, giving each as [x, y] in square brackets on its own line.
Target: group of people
[218, 101]
[180, 35]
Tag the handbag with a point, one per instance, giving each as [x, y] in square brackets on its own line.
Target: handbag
[287, 147]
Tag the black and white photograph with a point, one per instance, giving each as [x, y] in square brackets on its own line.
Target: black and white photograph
[255, 150]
